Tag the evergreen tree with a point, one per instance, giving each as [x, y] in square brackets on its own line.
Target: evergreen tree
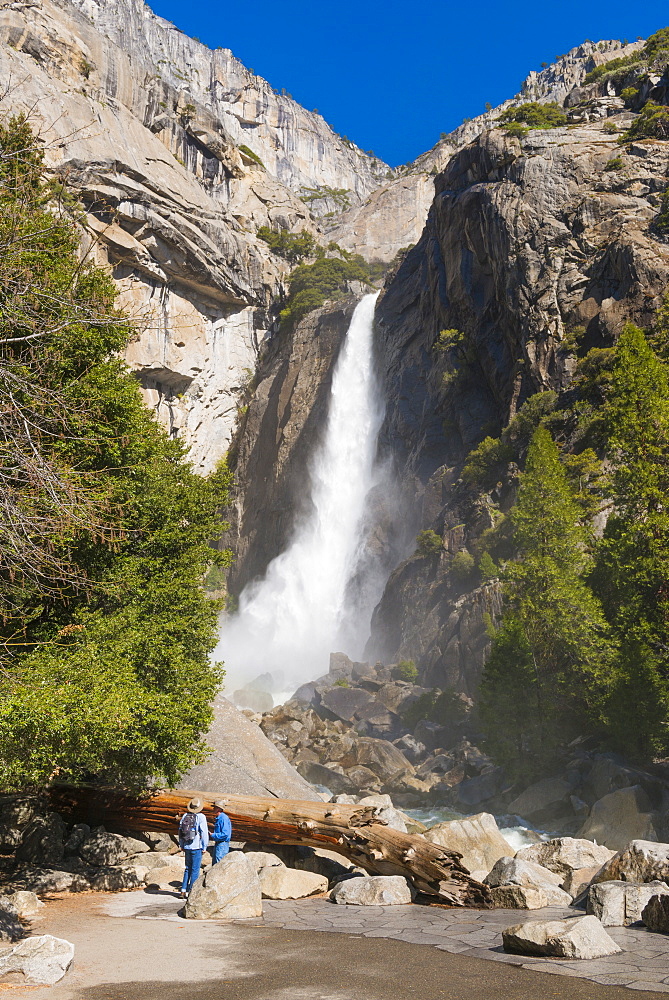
[632, 570]
[553, 648]
[105, 629]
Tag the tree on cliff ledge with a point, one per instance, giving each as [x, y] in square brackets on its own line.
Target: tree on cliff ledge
[550, 663]
[105, 630]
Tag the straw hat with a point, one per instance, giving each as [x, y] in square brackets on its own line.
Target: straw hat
[220, 804]
[194, 806]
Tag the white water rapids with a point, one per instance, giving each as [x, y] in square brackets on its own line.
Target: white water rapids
[307, 606]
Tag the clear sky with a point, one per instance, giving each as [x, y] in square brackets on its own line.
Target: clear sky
[392, 76]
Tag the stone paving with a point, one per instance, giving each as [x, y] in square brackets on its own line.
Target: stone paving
[643, 965]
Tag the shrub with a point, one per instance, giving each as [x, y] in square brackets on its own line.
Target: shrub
[429, 543]
[406, 670]
[448, 339]
[293, 247]
[615, 164]
[252, 156]
[628, 95]
[311, 284]
[613, 64]
[487, 567]
[485, 463]
[463, 565]
[610, 128]
[341, 683]
[652, 123]
[445, 708]
[534, 115]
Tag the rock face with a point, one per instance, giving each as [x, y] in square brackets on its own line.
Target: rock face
[229, 890]
[42, 960]
[377, 890]
[477, 838]
[618, 904]
[581, 937]
[243, 761]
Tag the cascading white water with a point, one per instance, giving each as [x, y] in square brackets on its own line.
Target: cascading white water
[290, 621]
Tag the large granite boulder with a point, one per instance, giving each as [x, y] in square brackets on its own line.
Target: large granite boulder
[27, 904]
[640, 861]
[576, 882]
[279, 882]
[563, 855]
[373, 890]
[43, 841]
[42, 960]
[620, 817]
[103, 848]
[619, 904]
[579, 937]
[476, 838]
[518, 897]
[543, 800]
[51, 882]
[243, 761]
[511, 871]
[386, 761]
[229, 890]
[655, 914]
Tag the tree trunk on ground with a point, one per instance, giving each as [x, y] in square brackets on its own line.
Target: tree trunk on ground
[354, 831]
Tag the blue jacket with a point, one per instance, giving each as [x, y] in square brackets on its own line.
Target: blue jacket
[222, 829]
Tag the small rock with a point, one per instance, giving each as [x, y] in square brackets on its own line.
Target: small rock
[230, 889]
[579, 937]
[279, 882]
[655, 914]
[43, 960]
[374, 890]
[27, 904]
[10, 927]
[518, 897]
[619, 904]
[566, 854]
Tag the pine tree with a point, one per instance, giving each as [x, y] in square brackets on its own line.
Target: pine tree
[553, 646]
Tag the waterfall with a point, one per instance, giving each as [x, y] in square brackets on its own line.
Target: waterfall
[311, 600]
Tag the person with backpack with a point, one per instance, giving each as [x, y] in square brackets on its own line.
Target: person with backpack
[222, 832]
[193, 841]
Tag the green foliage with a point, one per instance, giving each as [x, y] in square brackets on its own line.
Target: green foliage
[610, 128]
[463, 566]
[311, 284]
[487, 568]
[629, 95]
[620, 62]
[251, 155]
[651, 123]
[486, 463]
[534, 115]
[106, 630]
[661, 222]
[340, 196]
[448, 339]
[406, 670]
[428, 543]
[341, 683]
[293, 247]
[615, 163]
[552, 619]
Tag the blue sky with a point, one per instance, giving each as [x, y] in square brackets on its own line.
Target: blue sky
[393, 76]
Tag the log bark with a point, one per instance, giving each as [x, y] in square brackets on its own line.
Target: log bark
[354, 831]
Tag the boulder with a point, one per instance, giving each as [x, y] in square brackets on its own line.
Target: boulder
[373, 890]
[78, 834]
[16, 812]
[43, 840]
[103, 848]
[243, 761]
[620, 817]
[563, 855]
[10, 926]
[229, 890]
[50, 881]
[43, 960]
[330, 777]
[655, 914]
[263, 859]
[334, 867]
[543, 800]
[27, 904]
[166, 875]
[118, 879]
[157, 859]
[412, 748]
[511, 871]
[518, 897]
[473, 791]
[576, 882]
[163, 843]
[346, 702]
[362, 779]
[476, 838]
[640, 861]
[619, 904]
[279, 882]
[381, 757]
[578, 937]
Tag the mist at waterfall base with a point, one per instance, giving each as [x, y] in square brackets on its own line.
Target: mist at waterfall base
[318, 595]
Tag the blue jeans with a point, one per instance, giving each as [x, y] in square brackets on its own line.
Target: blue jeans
[219, 849]
[192, 872]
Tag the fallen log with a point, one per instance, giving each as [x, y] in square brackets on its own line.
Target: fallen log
[354, 831]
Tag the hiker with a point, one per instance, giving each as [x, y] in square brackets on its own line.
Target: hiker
[193, 841]
[222, 832]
